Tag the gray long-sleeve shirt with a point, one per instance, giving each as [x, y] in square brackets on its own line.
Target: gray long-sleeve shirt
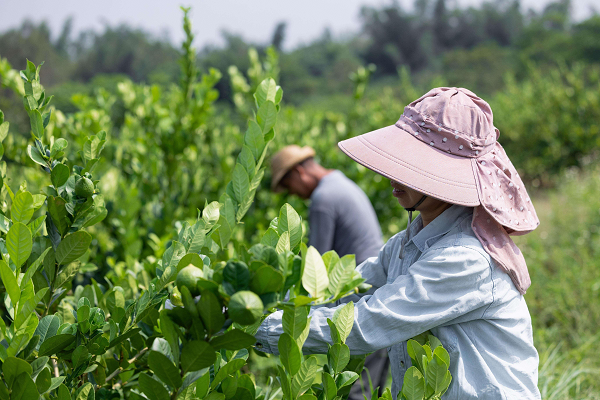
[342, 218]
[446, 283]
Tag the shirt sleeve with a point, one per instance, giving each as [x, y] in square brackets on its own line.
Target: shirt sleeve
[322, 230]
[443, 285]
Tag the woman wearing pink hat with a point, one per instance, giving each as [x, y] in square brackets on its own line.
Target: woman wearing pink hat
[454, 270]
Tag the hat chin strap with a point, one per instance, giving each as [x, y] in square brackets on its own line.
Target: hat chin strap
[407, 236]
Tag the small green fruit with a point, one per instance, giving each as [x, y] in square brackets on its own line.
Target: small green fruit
[84, 187]
[189, 277]
[245, 307]
[176, 298]
[363, 288]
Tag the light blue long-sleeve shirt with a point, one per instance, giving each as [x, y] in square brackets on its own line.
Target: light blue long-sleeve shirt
[448, 284]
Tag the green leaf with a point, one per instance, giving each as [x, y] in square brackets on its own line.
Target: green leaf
[266, 90]
[34, 267]
[19, 243]
[329, 387]
[290, 221]
[315, 279]
[289, 353]
[196, 355]
[72, 247]
[266, 279]
[24, 388]
[13, 367]
[413, 387]
[210, 214]
[338, 356]
[10, 283]
[22, 208]
[47, 328]
[234, 339]
[228, 369]
[254, 139]
[226, 223]
[246, 159]
[335, 335]
[270, 238]
[241, 182]
[153, 389]
[247, 202]
[37, 123]
[58, 212]
[170, 334]
[211, 312]
[236, 276]
[346, 378]
[4, 130]
[305, 376]
[416, 353]
[294, 320]
[283, 244]
[36, 156]
[266, 116]
[55, 344]
[344, 320]
[35, 225]
[60, 174]
[63, 393]
[436, 374]
[164, 369]
[43, 381]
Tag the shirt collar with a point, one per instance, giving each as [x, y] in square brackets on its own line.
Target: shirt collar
[447, 220]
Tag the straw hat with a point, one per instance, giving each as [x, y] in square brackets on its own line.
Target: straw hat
[284, 160]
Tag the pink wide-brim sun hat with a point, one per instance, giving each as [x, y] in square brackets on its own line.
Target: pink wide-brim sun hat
[445, 145]
[399, 156]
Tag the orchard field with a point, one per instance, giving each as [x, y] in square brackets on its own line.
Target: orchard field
[114, 204]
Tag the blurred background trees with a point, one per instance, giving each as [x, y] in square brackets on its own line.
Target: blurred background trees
[472, 46]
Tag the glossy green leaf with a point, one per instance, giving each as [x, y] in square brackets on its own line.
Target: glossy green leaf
[19, 243]
[294, 320]
[266, 279]
[228, 369]
[37, 123]
[58, 213]
[60, 174]
[22, 208]
[55, 344]
[314, 279]
[196, 355]
[164, 369]
[24, 388]
[13, 367]
[72, 247]
[329, 387]
[270, 238]
[153, 389]
[289, 353]
[290, 221]
[338, 356]
[305, 376]
[10, 282]
[211, 313]
[234, 339]
[436, 374]
[43, 381]
[47, 327]
[266, 116]
[344, 320]
[254, 139]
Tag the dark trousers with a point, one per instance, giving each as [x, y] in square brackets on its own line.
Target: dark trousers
[378, 364]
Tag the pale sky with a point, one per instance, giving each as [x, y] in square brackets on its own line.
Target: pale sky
[255, 20]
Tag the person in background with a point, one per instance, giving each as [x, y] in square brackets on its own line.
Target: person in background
[341, 218]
